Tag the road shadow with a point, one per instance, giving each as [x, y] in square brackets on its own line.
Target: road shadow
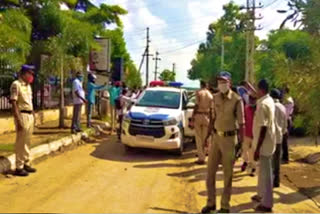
[168, 210]
[113, 150]
[235, 190]
[283, 198]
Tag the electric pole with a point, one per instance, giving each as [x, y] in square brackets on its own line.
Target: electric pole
[250, 39]
[174, 67]
[156, 65]
[147, 57]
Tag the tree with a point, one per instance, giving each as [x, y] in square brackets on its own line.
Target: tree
[291, 60]
[15, 31]
[167, 75]
[133, 77]
[227, 32]
[65, 36]
[303, 13]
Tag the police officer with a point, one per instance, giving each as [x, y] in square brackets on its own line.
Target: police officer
[21, 99]
[201, 118]
[227, 117]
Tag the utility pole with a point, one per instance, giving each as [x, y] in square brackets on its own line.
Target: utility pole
[174, 67]
[222, 51]
[147, 56]
[156, 65]
[250, 39]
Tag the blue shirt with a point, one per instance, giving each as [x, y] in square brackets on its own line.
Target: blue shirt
[91, 96]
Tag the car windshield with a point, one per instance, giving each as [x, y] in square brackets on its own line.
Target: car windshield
[162, 99]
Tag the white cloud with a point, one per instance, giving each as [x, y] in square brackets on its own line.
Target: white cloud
[200, 13]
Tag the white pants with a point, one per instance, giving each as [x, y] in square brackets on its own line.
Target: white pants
[265, 181]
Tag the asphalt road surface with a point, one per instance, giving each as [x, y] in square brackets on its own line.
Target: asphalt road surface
[102, 178]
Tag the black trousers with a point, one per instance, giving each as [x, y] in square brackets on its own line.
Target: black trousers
[276, 162]
[285, 146]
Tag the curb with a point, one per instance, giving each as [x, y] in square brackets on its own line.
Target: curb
[8, 163]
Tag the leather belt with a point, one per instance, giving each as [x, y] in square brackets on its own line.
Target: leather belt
[26, 112]
[226, 134]
[206, 113]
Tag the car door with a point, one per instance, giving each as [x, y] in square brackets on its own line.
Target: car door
[188, 111]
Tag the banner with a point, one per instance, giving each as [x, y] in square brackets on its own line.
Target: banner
[100, 59]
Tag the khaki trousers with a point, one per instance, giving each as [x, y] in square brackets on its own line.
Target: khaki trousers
[113, 117]
[222, 151]
[201, 124]
[23, 140]
[248, 152]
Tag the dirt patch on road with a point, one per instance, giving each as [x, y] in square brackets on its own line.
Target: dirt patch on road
[300, 176]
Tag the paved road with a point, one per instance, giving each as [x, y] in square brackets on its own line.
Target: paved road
[102, 178]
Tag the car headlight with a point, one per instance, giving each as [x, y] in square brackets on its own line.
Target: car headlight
[170, 122]
[127, 118]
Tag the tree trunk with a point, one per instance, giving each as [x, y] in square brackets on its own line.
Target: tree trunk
[61, 107]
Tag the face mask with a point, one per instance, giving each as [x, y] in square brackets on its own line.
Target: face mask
[30, 79]
[80, 78]
[224, 88]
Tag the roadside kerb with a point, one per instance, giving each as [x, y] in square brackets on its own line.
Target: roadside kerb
[8, 163]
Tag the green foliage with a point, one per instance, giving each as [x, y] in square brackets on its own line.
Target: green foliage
[207, 63]
[15, 31]
[133, 77]
[303, 13]
[300, 74]
[167, 75]
[119, 50]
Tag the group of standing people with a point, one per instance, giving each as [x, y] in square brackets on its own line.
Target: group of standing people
[252, 117]
[120, 97]
[24, 117]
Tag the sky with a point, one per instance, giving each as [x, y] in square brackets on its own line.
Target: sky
[177, 27]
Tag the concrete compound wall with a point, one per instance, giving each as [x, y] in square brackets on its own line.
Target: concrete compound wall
[7, 123]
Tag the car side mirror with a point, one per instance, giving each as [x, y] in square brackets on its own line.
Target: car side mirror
[190, 105]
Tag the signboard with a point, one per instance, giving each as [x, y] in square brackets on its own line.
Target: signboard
[100, 59]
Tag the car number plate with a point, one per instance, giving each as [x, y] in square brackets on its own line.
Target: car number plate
[147, 138]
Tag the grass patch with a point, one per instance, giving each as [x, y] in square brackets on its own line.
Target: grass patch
[6, 147]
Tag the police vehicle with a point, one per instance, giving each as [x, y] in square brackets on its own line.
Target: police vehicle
[159, 120]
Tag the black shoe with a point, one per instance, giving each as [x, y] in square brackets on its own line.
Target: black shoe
[263, 209]
[244, 166]
[208, 209]
[285, 162]
[256, 198]
[79, 130]
[222, 210]
[199, 162]
[21, 172]
[252, 174]
[29, 169]
[276, 185]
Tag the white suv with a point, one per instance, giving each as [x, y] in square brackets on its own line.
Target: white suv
[159, 120]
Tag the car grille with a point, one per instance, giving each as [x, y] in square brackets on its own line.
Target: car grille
[154, 128]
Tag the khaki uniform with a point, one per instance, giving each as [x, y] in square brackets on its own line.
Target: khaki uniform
[202, 119]
[21, 92]
[228, 113]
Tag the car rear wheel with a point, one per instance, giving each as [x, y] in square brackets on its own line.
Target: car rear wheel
[128, 149]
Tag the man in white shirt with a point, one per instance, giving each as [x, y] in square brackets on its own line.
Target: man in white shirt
[122, 103]
[264, 141]
[289, 105]
[281, 130]
[78, 95]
